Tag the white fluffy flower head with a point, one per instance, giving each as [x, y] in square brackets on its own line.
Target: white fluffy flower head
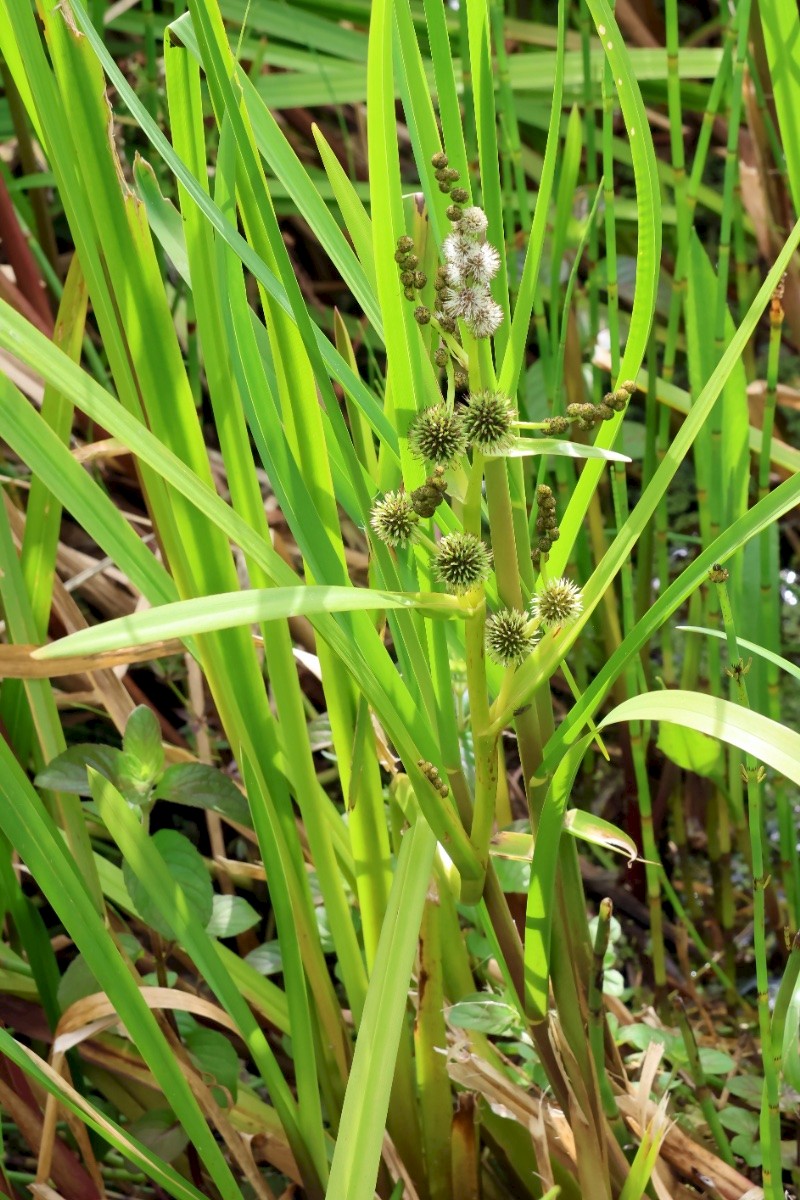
[473, 222]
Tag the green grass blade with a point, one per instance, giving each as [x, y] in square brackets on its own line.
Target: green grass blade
[358, 1147]
[207, 613]
[648, 256]
[779, 23]
[111, 1133]
[766, 740]
[514, 358]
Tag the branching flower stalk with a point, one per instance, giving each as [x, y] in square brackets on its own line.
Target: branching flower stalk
[512, 564]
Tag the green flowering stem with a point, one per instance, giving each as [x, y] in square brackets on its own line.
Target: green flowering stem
[597, 1017]
[770, 1124]
[484, 743]
[703, 1091]
[769, 625]
[471, 516]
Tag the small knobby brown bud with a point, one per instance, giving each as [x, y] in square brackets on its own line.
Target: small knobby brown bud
[546, 521]
[629, 385]
[409, 293]
[444, 186]
[718, 574]
[432, 775]
[427, 498]
[441, 356]
[405, 244]
[604, 412]
[439, 160]
[452, 174]
[422, 314]
[401, 257]
[454, 212]
[617, 401]
[407, 278]
[555, 425]
[420, 279]
[461, 380]
[459, 196]
[412, 262]
[442, 175]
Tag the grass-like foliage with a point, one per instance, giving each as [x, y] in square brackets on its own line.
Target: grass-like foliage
[387, 380]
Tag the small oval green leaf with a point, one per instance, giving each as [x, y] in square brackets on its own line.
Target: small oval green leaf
[186, 867]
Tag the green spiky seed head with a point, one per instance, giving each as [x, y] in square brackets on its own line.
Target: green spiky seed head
[558, 604]
[509, 637]
[394, 519]
[488, 418]
[437, 435]
[462, 562]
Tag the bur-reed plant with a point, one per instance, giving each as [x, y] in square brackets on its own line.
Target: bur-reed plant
[419, 1035]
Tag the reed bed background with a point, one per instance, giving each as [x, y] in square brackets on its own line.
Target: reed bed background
[398, 407]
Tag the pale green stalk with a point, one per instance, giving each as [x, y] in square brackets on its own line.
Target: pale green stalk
[770, 1124]
[770, 619]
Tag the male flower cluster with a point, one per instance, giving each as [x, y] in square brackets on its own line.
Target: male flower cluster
[471, 264]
